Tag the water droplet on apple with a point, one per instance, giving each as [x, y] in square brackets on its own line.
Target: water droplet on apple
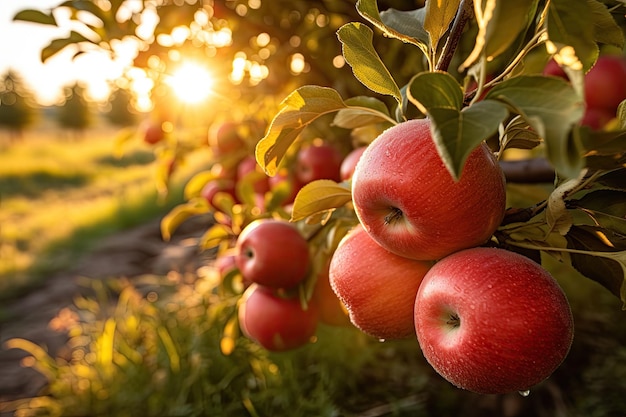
[525, 393]
[381, 340]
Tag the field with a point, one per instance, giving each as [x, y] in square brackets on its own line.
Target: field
[60, 194]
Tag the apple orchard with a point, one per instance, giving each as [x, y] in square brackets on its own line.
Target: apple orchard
[394, 198]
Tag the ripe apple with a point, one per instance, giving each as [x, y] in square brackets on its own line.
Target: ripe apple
[275, 322]
[153, 134]
[272, 253]
[377, 287]
[597, 118]
[331, 310]
[605, 83]
[349, 163]
[318, 162]
[246, 166]
[492, 321]
[409, 203]
[217, 185]
[224, 138]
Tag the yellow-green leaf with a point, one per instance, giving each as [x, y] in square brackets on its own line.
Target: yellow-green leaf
[179, 214]
[319, 196]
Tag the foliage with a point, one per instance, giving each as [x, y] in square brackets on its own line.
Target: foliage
[120, 111]
[16, 109]
[75, 113]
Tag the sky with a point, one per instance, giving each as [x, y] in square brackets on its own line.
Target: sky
[20, 47]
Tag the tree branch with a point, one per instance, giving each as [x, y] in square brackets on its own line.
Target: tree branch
[528, 171]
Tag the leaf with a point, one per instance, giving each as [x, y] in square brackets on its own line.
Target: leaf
[297, 111]
[615, 179]
[557, 216]
[604, 150]
[87, 6]
[430, 90]
[35, 16]
[319, 196]
[611, 202]
[405, 26]
[57, 45]
[368, 68]
[179, 214]
[362, 111]
[500, 24]
[194, 186]
[518, 134]
[570, 27]
[605, 28]
[607, 272]
[215, 235]
[437, 18]
[456, 132]
[552, 108]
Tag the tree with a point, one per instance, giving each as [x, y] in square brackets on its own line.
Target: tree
[75, 113]
[16, 106]
[120, 111]
[474, 69]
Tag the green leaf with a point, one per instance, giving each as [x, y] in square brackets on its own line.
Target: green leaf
[194, 186]
[179, 214]
[318, 197]
[215, 235]
[87, 6]
[604, 270]
[362, 111]
[437, 18]
[456, 132]
[611, 202]
[552, 108]
[405, 26]
[500, 24]
[604, 150]
[605, 28]
[297, 111]
[368, 68]
[518, 134]
[36, 16]
[58, 44]
[570, 26]
[435, 90]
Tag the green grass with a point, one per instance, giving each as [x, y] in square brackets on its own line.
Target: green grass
[59, 197]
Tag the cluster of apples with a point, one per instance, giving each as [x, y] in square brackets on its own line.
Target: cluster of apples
[487, 319]
[604, 88]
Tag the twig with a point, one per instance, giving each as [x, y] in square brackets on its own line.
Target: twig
[464, 13]
[528, 171]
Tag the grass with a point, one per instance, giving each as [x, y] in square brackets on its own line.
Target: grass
[60, 196]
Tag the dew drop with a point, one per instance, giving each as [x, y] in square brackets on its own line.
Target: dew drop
[381, 340]
[525, 393]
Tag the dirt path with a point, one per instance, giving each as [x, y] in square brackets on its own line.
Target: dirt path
[132, 253]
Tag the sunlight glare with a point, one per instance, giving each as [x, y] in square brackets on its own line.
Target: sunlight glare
[191, 82]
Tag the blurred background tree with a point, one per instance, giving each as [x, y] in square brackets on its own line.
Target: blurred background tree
[16, 104]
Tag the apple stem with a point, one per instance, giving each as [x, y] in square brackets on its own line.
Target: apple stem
[395, 215]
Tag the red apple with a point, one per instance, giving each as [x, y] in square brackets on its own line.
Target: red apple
[597, 118]
[153, 134]
[272, 253]
[246, 166]
[318, 162]
[554, 69]
[274, 322]
[217, 185]
[409, 203]
[331, 310]
[377, 287]
[224, 138]
[492, 321]
[286, 183]
[349, 163]
[605, 83]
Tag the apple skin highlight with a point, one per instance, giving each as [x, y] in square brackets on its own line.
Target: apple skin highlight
[492, 321]
[410, 204]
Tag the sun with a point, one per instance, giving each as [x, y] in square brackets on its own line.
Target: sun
[191, 82]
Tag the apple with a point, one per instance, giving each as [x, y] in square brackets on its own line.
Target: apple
[272, 253]
[247, 165]
[554, 69]
[317, 162]
[346, 170]
[597, 118]
[332, 312]
[274, 322]
[492, 321]
[214, 186]
[153, 134]
[377, 287]
[409, 203]
[605, 83]
[224, 138]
